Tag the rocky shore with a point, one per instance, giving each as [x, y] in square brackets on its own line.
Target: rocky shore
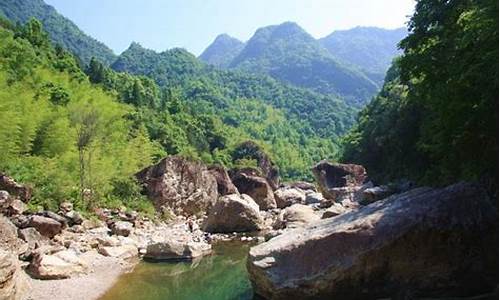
[341, 237]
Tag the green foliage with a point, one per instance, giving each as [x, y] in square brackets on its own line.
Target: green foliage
[49, 113]
[61, 30]
[438, 121]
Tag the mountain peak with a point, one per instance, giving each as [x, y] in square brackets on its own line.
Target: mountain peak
[224, 37]
[222, 50]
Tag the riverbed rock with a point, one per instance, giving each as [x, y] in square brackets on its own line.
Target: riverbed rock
[73, 218]
[297, 215]
[46, 226]
[62, 264]
[184, 186]
[303, 185]
[13, 283]
[15, 189]
[287, 196]
[330, 176]
[224, 184]
[50, 214]
[423, 243]
[126, 251]
[122, 228]
[314, 198]
[233, 213]
[8, 236]
[256, 187]
[16, 207]
[32, 237]
[166, 249]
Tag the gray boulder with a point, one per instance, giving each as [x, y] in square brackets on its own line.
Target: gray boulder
[332, 176]
[256, 187]
[423, 243]
[233, 213]
[297, 215]
[184, 186]
[62, 264]
[46, 226]
[224, 184]
[8, 237]
[169, 249]
[13, 282]
[287, 196]
[122, 228]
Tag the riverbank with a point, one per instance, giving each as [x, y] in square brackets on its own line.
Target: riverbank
[105, 272]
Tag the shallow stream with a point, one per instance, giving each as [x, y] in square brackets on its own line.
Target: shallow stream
[219, 276]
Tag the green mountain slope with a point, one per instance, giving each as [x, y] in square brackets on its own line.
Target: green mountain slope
[222, 51]
[288, 53]
[370, 49]
[62, 31]
[327, 115]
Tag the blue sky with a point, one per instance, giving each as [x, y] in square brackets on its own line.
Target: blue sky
[194, 24]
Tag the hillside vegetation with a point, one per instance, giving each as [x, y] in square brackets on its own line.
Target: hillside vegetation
[436, 118]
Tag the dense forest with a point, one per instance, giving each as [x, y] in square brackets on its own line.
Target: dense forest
[436, 119]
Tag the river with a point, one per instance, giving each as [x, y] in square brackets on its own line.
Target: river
[219, 276]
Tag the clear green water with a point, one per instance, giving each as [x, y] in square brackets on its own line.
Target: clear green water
[219, 276]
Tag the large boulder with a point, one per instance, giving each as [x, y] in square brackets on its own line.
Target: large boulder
[256, 187]
[250, 150]
[224, 184]
[234, 213]
[13, 283]
[286, 196]
[15, 189]
[62, 264]
[331, 176]
[297, 215]
[170, 249]
[184, 186]
[126, 251]
[46, 226]
[423, 243]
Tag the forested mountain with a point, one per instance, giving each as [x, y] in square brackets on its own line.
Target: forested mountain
[288, 53]
[326, 115]
[371, 49]
[222, 51]
[436, 119]
[62, 31]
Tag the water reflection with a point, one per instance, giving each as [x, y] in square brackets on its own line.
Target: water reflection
[219, 276]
